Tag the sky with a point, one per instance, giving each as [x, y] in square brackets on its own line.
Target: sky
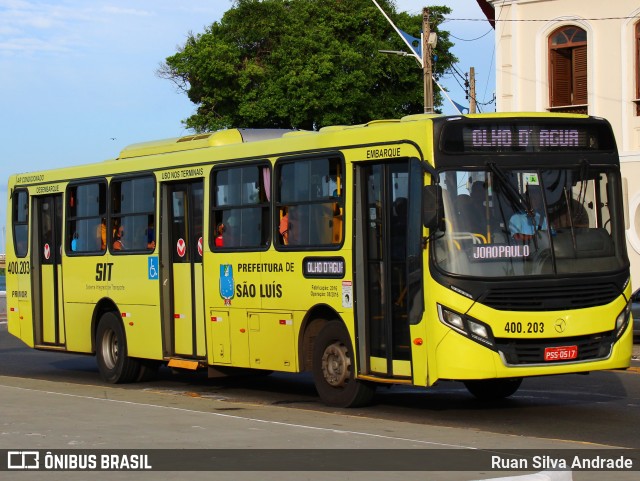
[78, 78]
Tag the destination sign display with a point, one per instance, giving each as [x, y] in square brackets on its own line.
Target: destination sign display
[524, 137]
[323, 267]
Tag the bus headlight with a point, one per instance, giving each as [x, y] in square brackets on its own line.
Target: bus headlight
[450, 318]
[471, 328]
[622, 320]
[478, 329]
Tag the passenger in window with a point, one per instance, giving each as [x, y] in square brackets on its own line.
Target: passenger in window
[570, 215]
[101, 234]
[74, 242]
[219, 240]
[151, 235]
[524, 225]
[284, 226]
[118, 243]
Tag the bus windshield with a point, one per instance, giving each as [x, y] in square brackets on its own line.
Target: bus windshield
[504, 222]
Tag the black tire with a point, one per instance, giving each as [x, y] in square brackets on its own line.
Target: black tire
[493, 389]
[114, 363]
[333, 369]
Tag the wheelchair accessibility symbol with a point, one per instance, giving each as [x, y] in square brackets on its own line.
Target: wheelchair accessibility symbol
[154, 270]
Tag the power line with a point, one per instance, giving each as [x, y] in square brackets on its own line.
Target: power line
[563, 19]
[453, 66]
[465, 87]
[471, 39]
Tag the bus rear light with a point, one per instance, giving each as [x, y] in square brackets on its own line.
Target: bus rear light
[418, 341]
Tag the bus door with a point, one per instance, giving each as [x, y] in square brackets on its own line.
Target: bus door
[388, 252]
[181, 261]
[46, 256]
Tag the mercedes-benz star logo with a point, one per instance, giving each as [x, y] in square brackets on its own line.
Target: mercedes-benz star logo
[560, 325]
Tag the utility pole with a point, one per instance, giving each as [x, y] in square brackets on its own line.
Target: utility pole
[472, 90]
[426, 63]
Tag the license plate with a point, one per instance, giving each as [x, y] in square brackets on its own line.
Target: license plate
[562, 353]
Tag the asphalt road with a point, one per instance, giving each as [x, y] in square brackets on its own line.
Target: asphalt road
[40, 415]
[601, 408]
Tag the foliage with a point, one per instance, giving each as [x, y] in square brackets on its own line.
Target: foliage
[303, 64]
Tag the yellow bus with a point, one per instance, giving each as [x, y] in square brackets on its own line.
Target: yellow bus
[480, 248]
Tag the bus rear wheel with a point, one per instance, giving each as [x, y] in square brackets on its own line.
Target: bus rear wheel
[333, 369]
[114, 364]
[493, 389]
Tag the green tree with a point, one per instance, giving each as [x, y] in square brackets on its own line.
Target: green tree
[303, 64]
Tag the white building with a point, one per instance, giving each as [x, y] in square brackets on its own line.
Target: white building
[576, 56]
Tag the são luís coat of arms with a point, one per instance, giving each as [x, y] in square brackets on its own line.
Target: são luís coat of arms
[226, 283]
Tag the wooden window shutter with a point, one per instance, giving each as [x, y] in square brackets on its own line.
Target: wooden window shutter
[637, 67]
[560, 78]
[580, 96]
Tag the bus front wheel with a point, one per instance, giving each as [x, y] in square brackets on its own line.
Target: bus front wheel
[333, 369]
[114, 364]
[493, 389]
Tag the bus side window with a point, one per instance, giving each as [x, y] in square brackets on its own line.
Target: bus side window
[133, 214]
[86, 218]
[310, 202]
[21, 222]
[240, 209]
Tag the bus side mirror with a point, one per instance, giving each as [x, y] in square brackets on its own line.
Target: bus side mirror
[432, 206]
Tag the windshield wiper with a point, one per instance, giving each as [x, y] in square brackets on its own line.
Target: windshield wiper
[582, 198]
[574, 241]
[512, 193]
[515, 197]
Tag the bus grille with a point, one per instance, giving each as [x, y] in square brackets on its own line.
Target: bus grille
[531, 351]
[550, 299]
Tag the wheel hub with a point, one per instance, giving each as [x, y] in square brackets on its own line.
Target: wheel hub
[336, 365]
[110, 349]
